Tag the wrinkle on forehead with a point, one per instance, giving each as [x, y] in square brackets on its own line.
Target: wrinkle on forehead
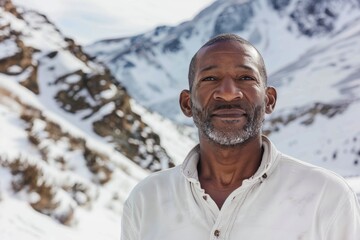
[230, 47]
[240, 66]
[227, 48]
[247, 51]
[242, 58]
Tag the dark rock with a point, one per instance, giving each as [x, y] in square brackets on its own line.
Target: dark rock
[172, 46]
[315, 17]
[279, 4]
[234, 18]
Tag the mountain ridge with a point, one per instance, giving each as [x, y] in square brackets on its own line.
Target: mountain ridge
[72, 147]
[61, 178]
[45, 59]
[309, 50]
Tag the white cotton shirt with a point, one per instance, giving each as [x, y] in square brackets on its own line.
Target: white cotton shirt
[286, 199]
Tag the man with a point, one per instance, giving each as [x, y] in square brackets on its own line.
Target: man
[235, 184]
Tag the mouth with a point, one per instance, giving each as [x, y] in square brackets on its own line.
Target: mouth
[232, 113]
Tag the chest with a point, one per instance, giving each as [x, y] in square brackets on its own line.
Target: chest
[250, 214]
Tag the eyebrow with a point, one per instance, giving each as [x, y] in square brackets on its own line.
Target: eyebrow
[211, 67]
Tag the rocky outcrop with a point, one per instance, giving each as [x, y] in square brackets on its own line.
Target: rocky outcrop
[305, 115]
[8, 6]
[90, 89]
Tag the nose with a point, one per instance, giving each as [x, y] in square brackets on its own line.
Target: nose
[227, 90]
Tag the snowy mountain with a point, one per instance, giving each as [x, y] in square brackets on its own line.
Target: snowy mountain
[73, 142]
[48, 166]
[36, 55]
[311, 51]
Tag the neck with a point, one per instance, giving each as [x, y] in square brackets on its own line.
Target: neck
[226, 167]
[222, 169]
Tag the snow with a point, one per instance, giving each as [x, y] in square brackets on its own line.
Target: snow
[305, 70]
[65, 62]
[314, 144]
[42, 36]
[14, 69]
[97, 209]
[110, 93]
[27, 96]
[73, 79]
[158, 77]
[19, 221]
[176, 140]
[8, 18]
[100, 220]
[8, 48]
[13, 137]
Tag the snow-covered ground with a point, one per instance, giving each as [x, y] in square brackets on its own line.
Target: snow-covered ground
[51, 160]
[100, 219]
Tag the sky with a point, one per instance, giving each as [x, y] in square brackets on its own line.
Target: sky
[90, 20]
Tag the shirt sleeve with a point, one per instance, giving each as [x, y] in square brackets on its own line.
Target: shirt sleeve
[128, 229]
[345, 224]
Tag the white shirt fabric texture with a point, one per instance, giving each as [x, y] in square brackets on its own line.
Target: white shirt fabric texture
[286, 199]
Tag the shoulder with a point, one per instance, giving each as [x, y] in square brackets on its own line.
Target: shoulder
[162, 178]
[156, 184]
[313, 176]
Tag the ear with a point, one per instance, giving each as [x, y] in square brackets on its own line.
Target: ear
[271, 97]
[185, 103]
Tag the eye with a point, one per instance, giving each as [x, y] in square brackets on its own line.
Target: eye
[246, 78]
[210, 78]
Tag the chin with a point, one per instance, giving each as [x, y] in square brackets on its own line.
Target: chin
[226, 140]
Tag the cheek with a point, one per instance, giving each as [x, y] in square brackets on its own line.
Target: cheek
[199, 99]
[259, 96]
[251, 96]
[193, 100]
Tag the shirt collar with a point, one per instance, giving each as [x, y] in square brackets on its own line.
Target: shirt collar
[270, 154]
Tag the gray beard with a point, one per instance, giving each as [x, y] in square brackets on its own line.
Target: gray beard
[229, 136]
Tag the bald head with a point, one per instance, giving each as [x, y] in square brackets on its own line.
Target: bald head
[224, 38]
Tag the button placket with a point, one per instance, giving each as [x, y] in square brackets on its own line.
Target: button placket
[229, 212]
[225, 215]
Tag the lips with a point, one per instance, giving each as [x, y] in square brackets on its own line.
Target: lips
[229, 113]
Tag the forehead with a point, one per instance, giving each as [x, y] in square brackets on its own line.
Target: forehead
[230, 48]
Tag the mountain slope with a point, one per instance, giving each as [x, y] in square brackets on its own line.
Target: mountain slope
[153, 66]
[309, 47]
[66, 169]
[56, 169]
[36, 55]
[72, 147]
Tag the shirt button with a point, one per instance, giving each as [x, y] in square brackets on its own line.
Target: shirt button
[216, 233]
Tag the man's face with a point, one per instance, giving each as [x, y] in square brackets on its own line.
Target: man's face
[228, 97]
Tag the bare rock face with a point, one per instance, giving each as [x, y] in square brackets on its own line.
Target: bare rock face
[60, 171]
[90, 91]
[8, 6]
[21, 62]
[49, 181]
[305, 115]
